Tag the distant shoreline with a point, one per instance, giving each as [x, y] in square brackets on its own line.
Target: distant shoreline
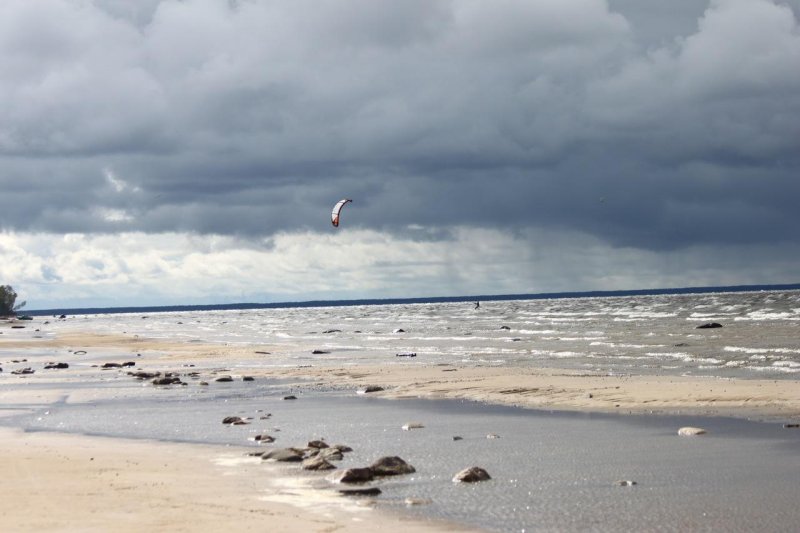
[419, 300]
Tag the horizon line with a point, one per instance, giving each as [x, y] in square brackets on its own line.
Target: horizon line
[411, 300]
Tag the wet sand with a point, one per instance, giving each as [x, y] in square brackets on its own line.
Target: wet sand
[118, 484]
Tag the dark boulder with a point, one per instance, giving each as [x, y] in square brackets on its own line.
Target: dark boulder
[145, 375]
[234, 421]
[330, 454]
[472, 475]
[353, 475]
[318, 444]
[371, 491]
[370, 388]
[391, 466]
[318, 464]
[290, 397]
[169, 380]
[264, 438]
[224, 379]
[710, 325]
[56, 365]
[284, 455]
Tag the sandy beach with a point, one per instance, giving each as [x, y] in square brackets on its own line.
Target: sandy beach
[60, 482]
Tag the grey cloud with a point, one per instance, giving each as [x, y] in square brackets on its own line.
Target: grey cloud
[252, 118]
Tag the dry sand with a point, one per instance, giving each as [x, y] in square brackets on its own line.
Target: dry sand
[70, 483]
[56, 482]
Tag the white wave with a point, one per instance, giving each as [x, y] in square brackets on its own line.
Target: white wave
[741, 349]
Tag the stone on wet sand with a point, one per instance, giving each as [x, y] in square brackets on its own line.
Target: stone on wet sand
[319, 444]
[224, 379]
[317, 463]
[284, 455]
[471, 475]
[370, 388]
[264, 439]
[330, 454]
[353, 475]
[171, 380]
[689, 431]
[371, 491]
[391, 466]
[234, 421]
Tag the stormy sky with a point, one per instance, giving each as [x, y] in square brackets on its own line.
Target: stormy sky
[167, 152]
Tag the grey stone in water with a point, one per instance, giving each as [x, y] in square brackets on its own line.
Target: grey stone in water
[224, 379]
[55, 365]
[353, 475]
[391, 466]
[317, 463]
[791, 426]
[458, 438]
[472, 475]
[319, 352]
[290, 397]
[284, 455]
[248, 378]
[691, 431]
[234, 420]
[204, 383]
[264, 438]
[330, 454]
[371, 491]
[626, 483]
[710, 325]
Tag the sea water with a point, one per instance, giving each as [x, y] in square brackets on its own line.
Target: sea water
[653, 335]
[550, 470]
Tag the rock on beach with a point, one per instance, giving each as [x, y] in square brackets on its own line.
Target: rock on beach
[472, 475]
[353, 475]
[391, 466]
[689, 431]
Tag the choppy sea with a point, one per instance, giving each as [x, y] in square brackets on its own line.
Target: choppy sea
[759, 337]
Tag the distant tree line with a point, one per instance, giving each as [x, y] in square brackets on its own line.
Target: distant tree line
[8, 301]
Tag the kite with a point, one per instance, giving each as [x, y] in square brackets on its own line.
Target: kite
[336, 210]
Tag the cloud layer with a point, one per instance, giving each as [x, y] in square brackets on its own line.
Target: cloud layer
[207, 121]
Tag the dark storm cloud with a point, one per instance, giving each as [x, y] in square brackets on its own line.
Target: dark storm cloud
[253, 117]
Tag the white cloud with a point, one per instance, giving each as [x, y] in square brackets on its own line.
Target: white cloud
[139, 269]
